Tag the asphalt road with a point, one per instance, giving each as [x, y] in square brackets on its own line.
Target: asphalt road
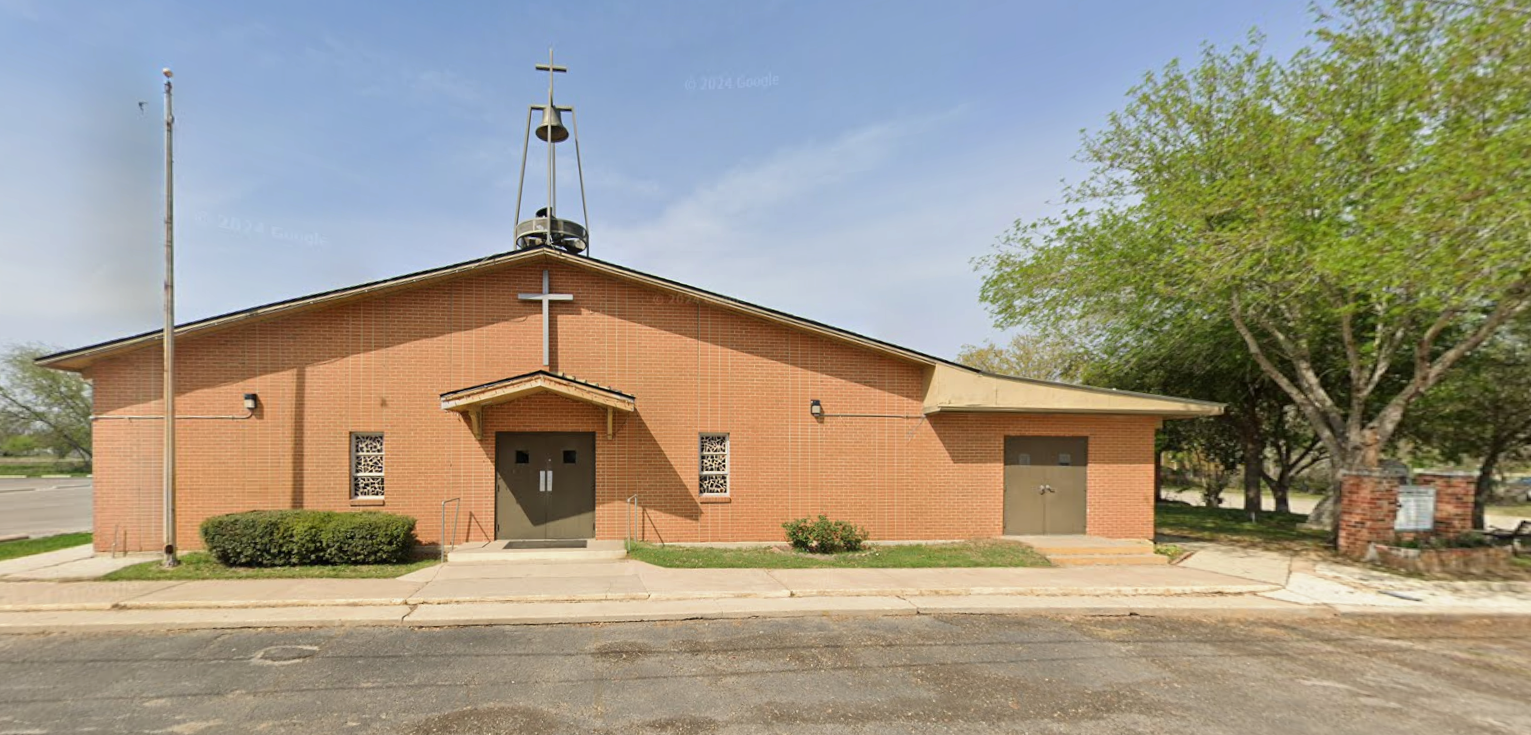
[925, 674]
[42, 507]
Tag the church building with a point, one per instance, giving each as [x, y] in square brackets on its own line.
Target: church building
[544, 394]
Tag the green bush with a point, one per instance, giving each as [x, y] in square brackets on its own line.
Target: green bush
[279, 538]
[824, 536]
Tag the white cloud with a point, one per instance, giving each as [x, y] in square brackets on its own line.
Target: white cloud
[890, 257]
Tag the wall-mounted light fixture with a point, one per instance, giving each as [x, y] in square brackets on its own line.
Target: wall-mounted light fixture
[815, 408]
[250, 401]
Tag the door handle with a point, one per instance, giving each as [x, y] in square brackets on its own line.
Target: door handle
[544, 481]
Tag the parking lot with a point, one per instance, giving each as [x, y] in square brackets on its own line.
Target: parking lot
[34, 506]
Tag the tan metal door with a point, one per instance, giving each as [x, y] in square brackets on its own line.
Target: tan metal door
[1045, 487]
[544, 485]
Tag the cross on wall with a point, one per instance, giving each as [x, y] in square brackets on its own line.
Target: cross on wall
[546, 297]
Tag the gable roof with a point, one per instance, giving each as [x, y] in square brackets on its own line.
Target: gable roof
[536, 381]
[953, 387]
[81, 357]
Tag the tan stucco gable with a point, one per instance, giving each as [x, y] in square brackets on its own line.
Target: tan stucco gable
[955, 390]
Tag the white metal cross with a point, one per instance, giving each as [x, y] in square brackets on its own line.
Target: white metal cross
[545, 297]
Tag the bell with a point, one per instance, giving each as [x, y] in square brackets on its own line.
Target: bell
[552, 121]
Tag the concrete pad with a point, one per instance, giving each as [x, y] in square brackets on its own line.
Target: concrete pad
[690, 584]
[606, 612]
[1088, 581]
[495, 552]
[76, 621]
[531, 589]
[1312, 589]
[838, 582]
[1081, 542]
[250, 593]
[16, 596]
[1431, 611]
[1222, 606]
[93, 567]
[46, 559]
[421, 575]
[1262, 566]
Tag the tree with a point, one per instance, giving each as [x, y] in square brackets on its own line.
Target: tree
[1363, 203]
[54, 406]
[1294, 450]
[1482, 411]
[1028, 356]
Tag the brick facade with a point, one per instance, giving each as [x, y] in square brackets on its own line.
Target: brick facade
[380, 364]
[1369, 507]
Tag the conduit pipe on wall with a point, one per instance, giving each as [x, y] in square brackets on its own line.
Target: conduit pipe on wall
[250, 402]
[816, 409]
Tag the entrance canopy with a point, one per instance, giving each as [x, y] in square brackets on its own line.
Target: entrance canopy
[471, 401]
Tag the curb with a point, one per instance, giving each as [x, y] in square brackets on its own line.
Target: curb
[1226, 591]
[486, 614]
[555, 613]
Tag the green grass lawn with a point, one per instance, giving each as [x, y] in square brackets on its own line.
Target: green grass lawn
[200, 565]
[28, 547]
[982, 553]
[1231, 525]
[32, 468]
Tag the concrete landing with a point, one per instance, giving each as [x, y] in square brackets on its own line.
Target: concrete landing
[496, 551]
[78, 562]
[1082, 551]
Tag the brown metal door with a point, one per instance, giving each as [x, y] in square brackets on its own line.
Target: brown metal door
[1045, 488]
[571, 495]
[520, 505]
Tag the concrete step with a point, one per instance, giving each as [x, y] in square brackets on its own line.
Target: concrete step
[1084, 551]
[1098, 560]
[1095, 551]
[496, 552]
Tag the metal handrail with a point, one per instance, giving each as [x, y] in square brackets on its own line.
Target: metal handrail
[442, 539]
[632, 511]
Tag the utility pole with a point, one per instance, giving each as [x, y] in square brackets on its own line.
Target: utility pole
[169, 338]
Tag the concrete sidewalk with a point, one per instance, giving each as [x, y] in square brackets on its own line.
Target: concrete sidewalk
[630, 581]
[1215, 581]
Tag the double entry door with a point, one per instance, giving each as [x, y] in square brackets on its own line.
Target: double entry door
[544, 485]
[1045, 490]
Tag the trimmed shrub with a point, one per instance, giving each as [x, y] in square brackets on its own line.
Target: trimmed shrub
[824, 536]
[278, 538]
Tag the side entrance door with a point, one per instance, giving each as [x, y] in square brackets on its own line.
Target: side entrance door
[544, 485]
[1045, 489]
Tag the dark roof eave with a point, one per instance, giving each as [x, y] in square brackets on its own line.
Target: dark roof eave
[79, 358]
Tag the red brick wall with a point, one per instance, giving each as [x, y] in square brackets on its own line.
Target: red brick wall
[381, 364]
[1369, 507]
[1453, 500]
[1368, 510]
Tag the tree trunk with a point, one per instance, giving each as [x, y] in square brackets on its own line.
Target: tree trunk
[1254, 460]
[1281, 491]
[1483, 490]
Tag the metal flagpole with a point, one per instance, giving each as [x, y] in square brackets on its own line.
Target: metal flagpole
[169, 338]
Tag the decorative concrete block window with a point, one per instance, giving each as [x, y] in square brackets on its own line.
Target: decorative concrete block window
[366, 465]
[714, 464]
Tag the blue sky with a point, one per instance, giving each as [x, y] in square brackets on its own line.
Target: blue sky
[882, 146]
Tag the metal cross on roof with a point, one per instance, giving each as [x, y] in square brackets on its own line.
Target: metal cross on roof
[550, 67]
[546, 297]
